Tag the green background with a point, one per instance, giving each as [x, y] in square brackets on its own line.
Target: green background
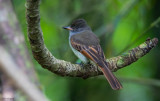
[117, 23]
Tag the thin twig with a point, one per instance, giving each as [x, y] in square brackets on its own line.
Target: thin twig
[155, 23]
[109, 28]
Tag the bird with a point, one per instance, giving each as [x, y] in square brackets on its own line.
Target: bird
[86, 46]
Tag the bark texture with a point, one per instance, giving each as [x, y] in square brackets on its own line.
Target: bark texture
[64, 68]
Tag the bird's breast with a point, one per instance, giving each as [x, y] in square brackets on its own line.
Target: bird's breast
[78, 54]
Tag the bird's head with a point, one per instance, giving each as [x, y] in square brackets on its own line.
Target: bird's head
[78, 25]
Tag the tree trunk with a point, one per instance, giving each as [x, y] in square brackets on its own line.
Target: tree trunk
[12, 41]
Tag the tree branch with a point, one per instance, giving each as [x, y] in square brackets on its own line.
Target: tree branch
[64, 68]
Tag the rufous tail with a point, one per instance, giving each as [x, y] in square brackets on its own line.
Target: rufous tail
[113, 81]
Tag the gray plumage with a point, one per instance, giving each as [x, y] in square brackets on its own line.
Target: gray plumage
[85, 45]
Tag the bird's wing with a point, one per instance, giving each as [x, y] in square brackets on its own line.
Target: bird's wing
[88, 44]
[95, 53]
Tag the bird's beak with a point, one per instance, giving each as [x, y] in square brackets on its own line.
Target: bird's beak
[68, 28]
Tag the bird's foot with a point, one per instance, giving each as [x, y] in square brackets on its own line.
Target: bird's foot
[81, 64]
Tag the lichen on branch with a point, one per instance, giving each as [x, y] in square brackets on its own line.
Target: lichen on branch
[64, 68]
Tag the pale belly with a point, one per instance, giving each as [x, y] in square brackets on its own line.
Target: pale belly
[78, 54]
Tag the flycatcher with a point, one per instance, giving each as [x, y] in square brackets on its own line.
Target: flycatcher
[85, 45]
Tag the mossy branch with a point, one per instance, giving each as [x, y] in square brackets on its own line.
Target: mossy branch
[64, 68]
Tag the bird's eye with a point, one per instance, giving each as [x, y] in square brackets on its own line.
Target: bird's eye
[73, 25]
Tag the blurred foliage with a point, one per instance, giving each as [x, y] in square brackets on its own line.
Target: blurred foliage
[117, 23]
